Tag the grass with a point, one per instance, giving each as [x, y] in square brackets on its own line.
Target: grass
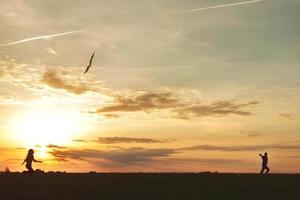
[156, 186]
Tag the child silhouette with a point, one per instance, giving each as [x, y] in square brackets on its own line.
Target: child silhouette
[28, 160]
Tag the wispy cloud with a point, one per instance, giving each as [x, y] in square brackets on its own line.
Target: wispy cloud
[80, 140]
[153, 101]
[132, 157]
[118, 140]
[114, 140]
[288, 116]
[143, 101]
[39, 38]
[224, 5]
[53, 146]
[243, 147]
[54, 80]
[250, 134]
[218, 108]
[119, 156]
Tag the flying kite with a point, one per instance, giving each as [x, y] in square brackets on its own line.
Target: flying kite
[90, 63]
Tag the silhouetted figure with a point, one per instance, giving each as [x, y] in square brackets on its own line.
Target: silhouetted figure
[264, 163]
[28, 160]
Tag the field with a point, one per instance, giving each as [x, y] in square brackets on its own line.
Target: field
[157, 186]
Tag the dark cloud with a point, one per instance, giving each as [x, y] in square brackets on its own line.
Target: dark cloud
[75, 154]
[111, 115]
[118, 156]
[79, 140]
[150, 101]
[243, 147]
[53, 146]
[214, 161]
[54, 80]
[219, 108]
[291, 157]
[123, 157]
[114, 140]
[251, 134]
[146, 101]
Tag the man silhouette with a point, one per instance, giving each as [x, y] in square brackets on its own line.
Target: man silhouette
[264, 163]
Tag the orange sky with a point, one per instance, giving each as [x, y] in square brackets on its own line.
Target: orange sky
[170, 88]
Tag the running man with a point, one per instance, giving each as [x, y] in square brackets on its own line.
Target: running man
[264, 163]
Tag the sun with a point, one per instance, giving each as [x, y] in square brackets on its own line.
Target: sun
[47, 126]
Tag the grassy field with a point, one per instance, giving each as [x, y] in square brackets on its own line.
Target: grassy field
[149, 186]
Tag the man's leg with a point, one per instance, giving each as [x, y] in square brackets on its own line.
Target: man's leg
[262, 170]
[268, 169]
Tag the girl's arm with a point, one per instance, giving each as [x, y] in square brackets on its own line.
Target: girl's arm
[34, 160]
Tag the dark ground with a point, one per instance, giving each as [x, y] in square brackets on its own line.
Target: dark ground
[149, 186]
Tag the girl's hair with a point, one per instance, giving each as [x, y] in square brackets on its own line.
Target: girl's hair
[30, 152]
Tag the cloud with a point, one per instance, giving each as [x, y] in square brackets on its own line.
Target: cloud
[224, 5]
[145, 101]
[79, 140]
[111, 115]
[53, 146]
[219, 108]
[52, 79]
[136, 156]
[114, 140]
[181, 109]
[243, 147]
[116, 156]
[291, 157]
[251, 134]
[288, 116]
[215, 161]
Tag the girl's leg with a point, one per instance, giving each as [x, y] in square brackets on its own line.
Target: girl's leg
[30, 170]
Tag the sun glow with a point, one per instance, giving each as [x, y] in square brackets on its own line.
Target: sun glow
[44, 127]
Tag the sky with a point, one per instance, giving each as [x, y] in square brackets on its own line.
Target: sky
[175, 86]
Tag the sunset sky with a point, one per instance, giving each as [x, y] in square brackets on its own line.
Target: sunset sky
[175, 86]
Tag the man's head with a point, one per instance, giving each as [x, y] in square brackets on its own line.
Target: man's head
[266, 153]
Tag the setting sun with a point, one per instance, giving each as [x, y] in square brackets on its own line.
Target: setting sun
[46, 127]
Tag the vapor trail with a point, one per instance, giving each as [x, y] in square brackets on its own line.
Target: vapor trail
[224, 5]
[39, 38]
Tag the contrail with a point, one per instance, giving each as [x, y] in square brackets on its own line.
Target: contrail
[39, 38]
[224, 5]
